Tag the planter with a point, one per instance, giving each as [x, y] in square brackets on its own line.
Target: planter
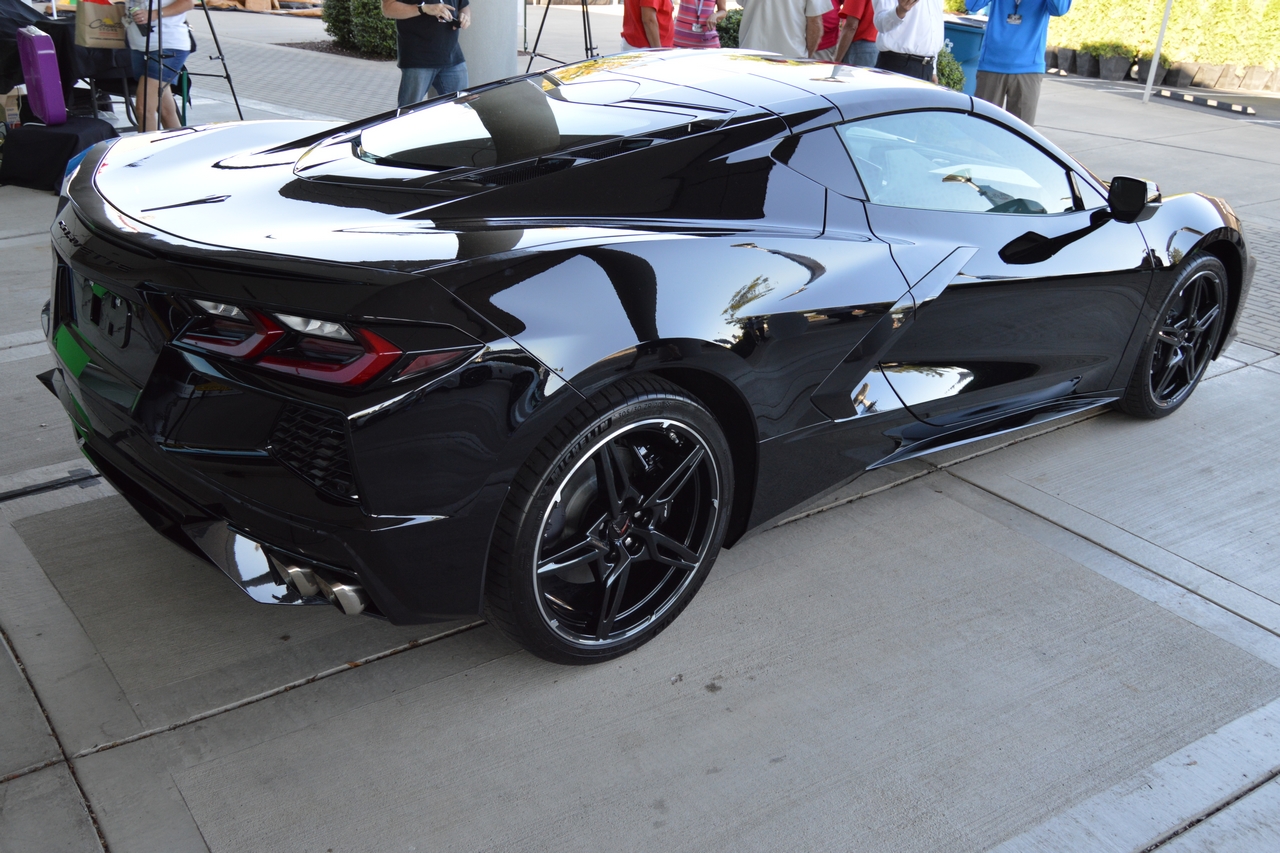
[1144, 68]
[1066, 60]
[1086, 64]
[1256, 78]
[1231, 78]
[1274, 85]
[1114, 68]
[1182, 73]
[1207, 76]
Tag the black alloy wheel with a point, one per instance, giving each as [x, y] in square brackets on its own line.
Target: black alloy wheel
[1182, 341]
[612, 526]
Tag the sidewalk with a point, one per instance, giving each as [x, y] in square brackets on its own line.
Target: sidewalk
[1062, 639]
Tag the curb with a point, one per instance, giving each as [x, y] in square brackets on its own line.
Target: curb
[1207, 102]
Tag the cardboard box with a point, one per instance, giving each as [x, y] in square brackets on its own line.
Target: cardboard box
[12, 103]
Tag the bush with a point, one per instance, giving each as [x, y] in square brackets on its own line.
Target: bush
[728, 28]
[1217, 32]
[337, 23]
[950, 74]
[372, 33]
[1108, 48]
[360, 26]
[955, 7]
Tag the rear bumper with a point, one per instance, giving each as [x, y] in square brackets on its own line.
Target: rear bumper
[413, 568]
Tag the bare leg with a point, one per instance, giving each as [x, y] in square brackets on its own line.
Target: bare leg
[155, 96]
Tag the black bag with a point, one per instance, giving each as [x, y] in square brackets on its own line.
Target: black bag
[36, 156]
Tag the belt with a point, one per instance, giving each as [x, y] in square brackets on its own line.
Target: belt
[910, 56]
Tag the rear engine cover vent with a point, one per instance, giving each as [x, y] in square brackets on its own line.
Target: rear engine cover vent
[314, 444]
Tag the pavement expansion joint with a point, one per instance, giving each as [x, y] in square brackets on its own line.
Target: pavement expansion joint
[284, 688]
[1192, 824]
[1216, 602]
[62, 752]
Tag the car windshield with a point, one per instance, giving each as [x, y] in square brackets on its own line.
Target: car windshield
[524, 119]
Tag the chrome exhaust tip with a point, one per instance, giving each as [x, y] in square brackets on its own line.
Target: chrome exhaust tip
[350, 598]
[347, 597]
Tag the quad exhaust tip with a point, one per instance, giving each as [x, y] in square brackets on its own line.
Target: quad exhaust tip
[268, 577]
[347, 597]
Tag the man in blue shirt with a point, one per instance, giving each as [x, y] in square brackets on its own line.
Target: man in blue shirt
[1012, 62]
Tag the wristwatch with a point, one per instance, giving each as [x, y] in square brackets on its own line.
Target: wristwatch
[421, 8]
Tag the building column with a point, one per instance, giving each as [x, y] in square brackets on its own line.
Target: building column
[489, 44]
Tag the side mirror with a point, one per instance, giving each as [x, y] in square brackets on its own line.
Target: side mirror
[1129, 198]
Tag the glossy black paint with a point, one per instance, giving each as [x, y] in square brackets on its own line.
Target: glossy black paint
[740, 261]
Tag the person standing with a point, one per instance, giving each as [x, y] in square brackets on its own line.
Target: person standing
[789, 27]
[1011, 64]
[647, 23]
[910, 36]
[857, 45]
[159, 43]
[696, 23]
[427, 51]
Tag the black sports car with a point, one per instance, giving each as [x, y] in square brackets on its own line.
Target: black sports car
[540, 349]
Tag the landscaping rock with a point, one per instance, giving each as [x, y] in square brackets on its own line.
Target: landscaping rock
[1067, 60]
[1086, 64]
[1144, 68]
[1207, 76]
[1114, 67]
[1256, 78]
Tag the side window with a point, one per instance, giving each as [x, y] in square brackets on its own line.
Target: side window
[938, 160]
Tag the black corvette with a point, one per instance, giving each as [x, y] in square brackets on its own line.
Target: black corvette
[539, 350]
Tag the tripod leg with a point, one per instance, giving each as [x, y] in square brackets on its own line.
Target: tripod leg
[588, 46]
[538, 38]
[226, 72]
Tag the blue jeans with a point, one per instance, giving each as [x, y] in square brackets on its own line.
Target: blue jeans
[414, 82]
[863, 53]
[164, 67]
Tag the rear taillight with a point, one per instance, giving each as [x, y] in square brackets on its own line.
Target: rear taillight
[351, 362]
[320, 350]
[230, 331]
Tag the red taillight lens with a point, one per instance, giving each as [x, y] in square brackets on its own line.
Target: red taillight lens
[322, 350]
[341, 362]
[233, 337]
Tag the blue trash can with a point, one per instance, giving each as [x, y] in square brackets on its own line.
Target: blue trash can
[966, 34]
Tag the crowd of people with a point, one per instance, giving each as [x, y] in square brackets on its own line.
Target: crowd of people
[904, 36]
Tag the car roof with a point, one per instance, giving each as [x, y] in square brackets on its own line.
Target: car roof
[798, 90]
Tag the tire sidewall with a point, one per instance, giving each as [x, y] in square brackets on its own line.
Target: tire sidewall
[1139, 399]
[651, 405]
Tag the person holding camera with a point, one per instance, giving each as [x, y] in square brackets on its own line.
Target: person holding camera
[159, 44]
[427, 50]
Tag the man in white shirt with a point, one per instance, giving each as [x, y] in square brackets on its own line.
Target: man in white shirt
[910, 36]
[789, 27]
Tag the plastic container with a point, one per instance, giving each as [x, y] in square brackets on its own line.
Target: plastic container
[966, 34]
[40, 73]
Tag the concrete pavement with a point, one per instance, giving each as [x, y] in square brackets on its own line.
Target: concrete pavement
[1065, 639]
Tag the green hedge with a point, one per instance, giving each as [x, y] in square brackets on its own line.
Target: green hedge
[728, 28]
[359, 25]
[1243, 32]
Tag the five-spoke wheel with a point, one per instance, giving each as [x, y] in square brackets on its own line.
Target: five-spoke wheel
[1182, 340]
[609, 541]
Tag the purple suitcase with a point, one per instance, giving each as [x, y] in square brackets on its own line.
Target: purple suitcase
[40, 72]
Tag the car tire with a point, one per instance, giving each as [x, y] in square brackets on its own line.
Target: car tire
[612, 525]
[1181, 341]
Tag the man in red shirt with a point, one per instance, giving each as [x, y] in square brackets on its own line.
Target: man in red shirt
[647, 23]
[857, 34]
